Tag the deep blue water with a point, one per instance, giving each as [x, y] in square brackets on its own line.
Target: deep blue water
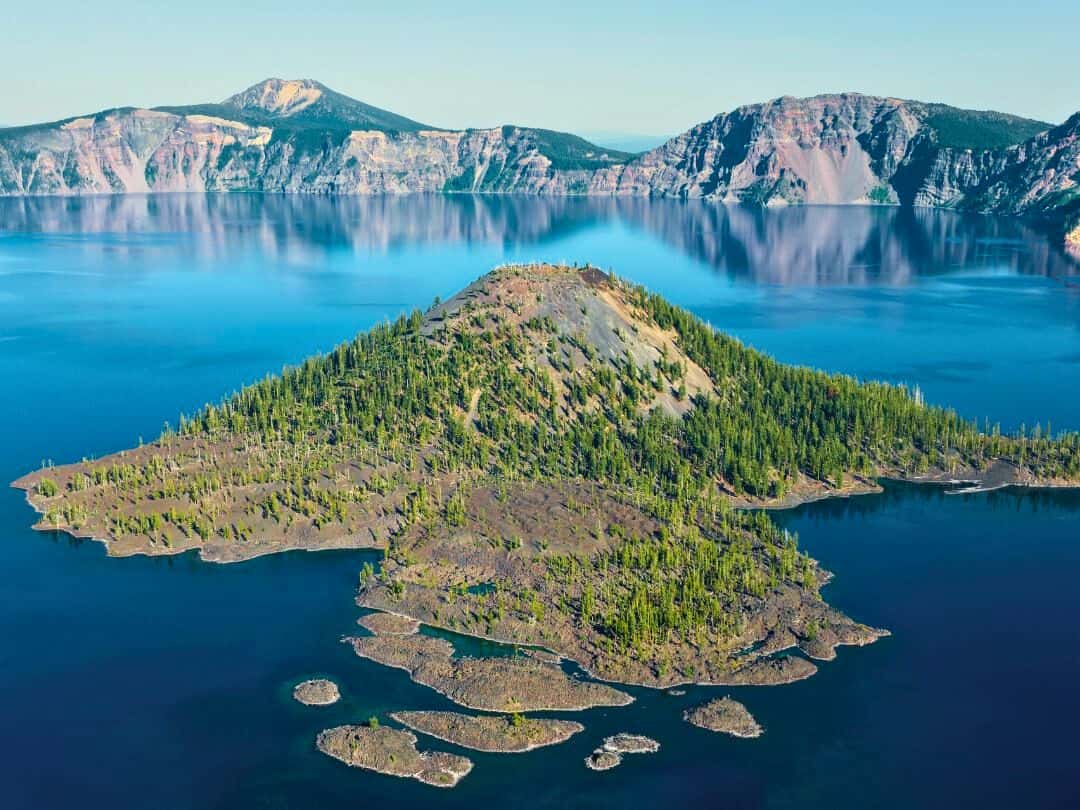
[165, 682]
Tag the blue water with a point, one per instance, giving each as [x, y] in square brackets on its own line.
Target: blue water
[165, 682]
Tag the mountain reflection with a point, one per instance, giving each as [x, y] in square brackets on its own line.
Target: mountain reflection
[797, 246]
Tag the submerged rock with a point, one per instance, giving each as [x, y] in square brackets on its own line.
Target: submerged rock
[724, 715]
[493, 733]
[392, 751]
[317, 692]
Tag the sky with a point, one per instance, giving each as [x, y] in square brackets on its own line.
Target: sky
[613, 67]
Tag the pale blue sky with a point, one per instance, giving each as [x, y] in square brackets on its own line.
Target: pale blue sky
[655, 67]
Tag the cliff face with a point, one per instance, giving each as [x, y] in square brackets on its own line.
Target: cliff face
[852, 148]
[299, 136]
[136, 150]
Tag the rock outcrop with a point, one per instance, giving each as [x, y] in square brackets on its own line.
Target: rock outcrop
[1072, 237]
[300, 136]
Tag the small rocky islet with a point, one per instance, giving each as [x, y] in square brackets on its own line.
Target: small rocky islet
[393, 752]
[317, 692]
[503, 734]
[611, 751]
[601, 760]
[725, 715]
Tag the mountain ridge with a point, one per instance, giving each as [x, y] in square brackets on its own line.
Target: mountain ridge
[299, 136]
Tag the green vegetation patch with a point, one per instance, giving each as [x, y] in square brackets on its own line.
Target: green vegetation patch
[975, 129]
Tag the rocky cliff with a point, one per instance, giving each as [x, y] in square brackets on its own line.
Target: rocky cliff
[852, 148]
[299, 136]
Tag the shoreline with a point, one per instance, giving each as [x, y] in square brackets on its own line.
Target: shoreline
[872, 486]
[198, 550]
[599, 679]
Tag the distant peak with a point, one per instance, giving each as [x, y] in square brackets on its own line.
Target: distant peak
[280, 96]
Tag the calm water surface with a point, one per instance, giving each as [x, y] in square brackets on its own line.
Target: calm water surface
[165, 682]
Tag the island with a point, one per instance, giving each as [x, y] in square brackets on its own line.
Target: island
[497, 684]
[553, 458]
[503, 734]
[725, 715]
[392, 751]
[317, 692]
[624, 743]
[610, 753]
[601, 760]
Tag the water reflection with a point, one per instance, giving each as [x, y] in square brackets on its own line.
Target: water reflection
[798, 246]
